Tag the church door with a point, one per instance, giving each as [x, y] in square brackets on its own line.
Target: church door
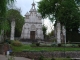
[32, 35]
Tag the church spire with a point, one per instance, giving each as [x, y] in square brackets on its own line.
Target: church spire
[33, 7]
[33, 4]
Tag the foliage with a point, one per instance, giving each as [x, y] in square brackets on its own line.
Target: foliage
[3, 9]
[44, 28]
[5, 26]
[7, 41]
[11, 58]
[68, 56]
[59, 45]
[37, 44]
[51, 33]
[41, 58]
[72, 37]
[65, 11]
[52, 59]
[54, 45]
[79, 45]
[15, 14]
[16, 43]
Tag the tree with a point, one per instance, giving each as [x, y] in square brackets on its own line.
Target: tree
[4, 26]
[65, 11]
[3, 9]
[19, 20]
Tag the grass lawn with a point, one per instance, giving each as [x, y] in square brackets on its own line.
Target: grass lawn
[29, 48]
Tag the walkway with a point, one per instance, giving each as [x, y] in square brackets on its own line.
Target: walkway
[2, 57]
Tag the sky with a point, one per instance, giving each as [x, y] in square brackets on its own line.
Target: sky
[25, 6]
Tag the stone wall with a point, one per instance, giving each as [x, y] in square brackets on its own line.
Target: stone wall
[35, 54]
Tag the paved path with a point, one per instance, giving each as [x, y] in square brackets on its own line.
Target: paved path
[2, 57]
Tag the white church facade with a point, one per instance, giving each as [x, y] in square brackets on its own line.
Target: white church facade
[32, 28]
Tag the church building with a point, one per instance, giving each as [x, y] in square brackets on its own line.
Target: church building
[32, 28]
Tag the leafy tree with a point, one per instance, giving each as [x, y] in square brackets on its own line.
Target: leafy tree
[19, 20]
[3, 9]
[4, 26]
[65, 11]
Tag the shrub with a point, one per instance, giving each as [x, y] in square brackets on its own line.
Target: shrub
[11, 58]
[74, 45]
[68, 56]
[53, 45]
[7, 41]
[41, 58]
[16, 43]
[52, 59]
[59, 45]
[78, 45]
[53, 40]
[37, 44]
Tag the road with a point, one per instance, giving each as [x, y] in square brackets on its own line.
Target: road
[3, 57]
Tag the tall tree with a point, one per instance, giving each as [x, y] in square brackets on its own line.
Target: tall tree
[65, 11]
[3, 6]
[3, 9]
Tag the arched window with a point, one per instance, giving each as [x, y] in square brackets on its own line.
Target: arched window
[33, 28]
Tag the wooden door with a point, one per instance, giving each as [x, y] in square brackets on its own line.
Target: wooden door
[32, 35]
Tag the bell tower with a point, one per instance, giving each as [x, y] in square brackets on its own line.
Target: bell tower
[33, 9]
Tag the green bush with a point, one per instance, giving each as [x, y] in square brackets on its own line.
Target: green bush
[78, 45]
[52, 59]
[53, 45]
[16, 43]
[7, 41]
[59, 45]
[41, 58]
[37, 44]
[68, 56]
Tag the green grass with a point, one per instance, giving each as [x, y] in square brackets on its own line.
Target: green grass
[29, 48]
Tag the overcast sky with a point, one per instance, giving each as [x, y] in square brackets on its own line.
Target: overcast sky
[25, 6]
